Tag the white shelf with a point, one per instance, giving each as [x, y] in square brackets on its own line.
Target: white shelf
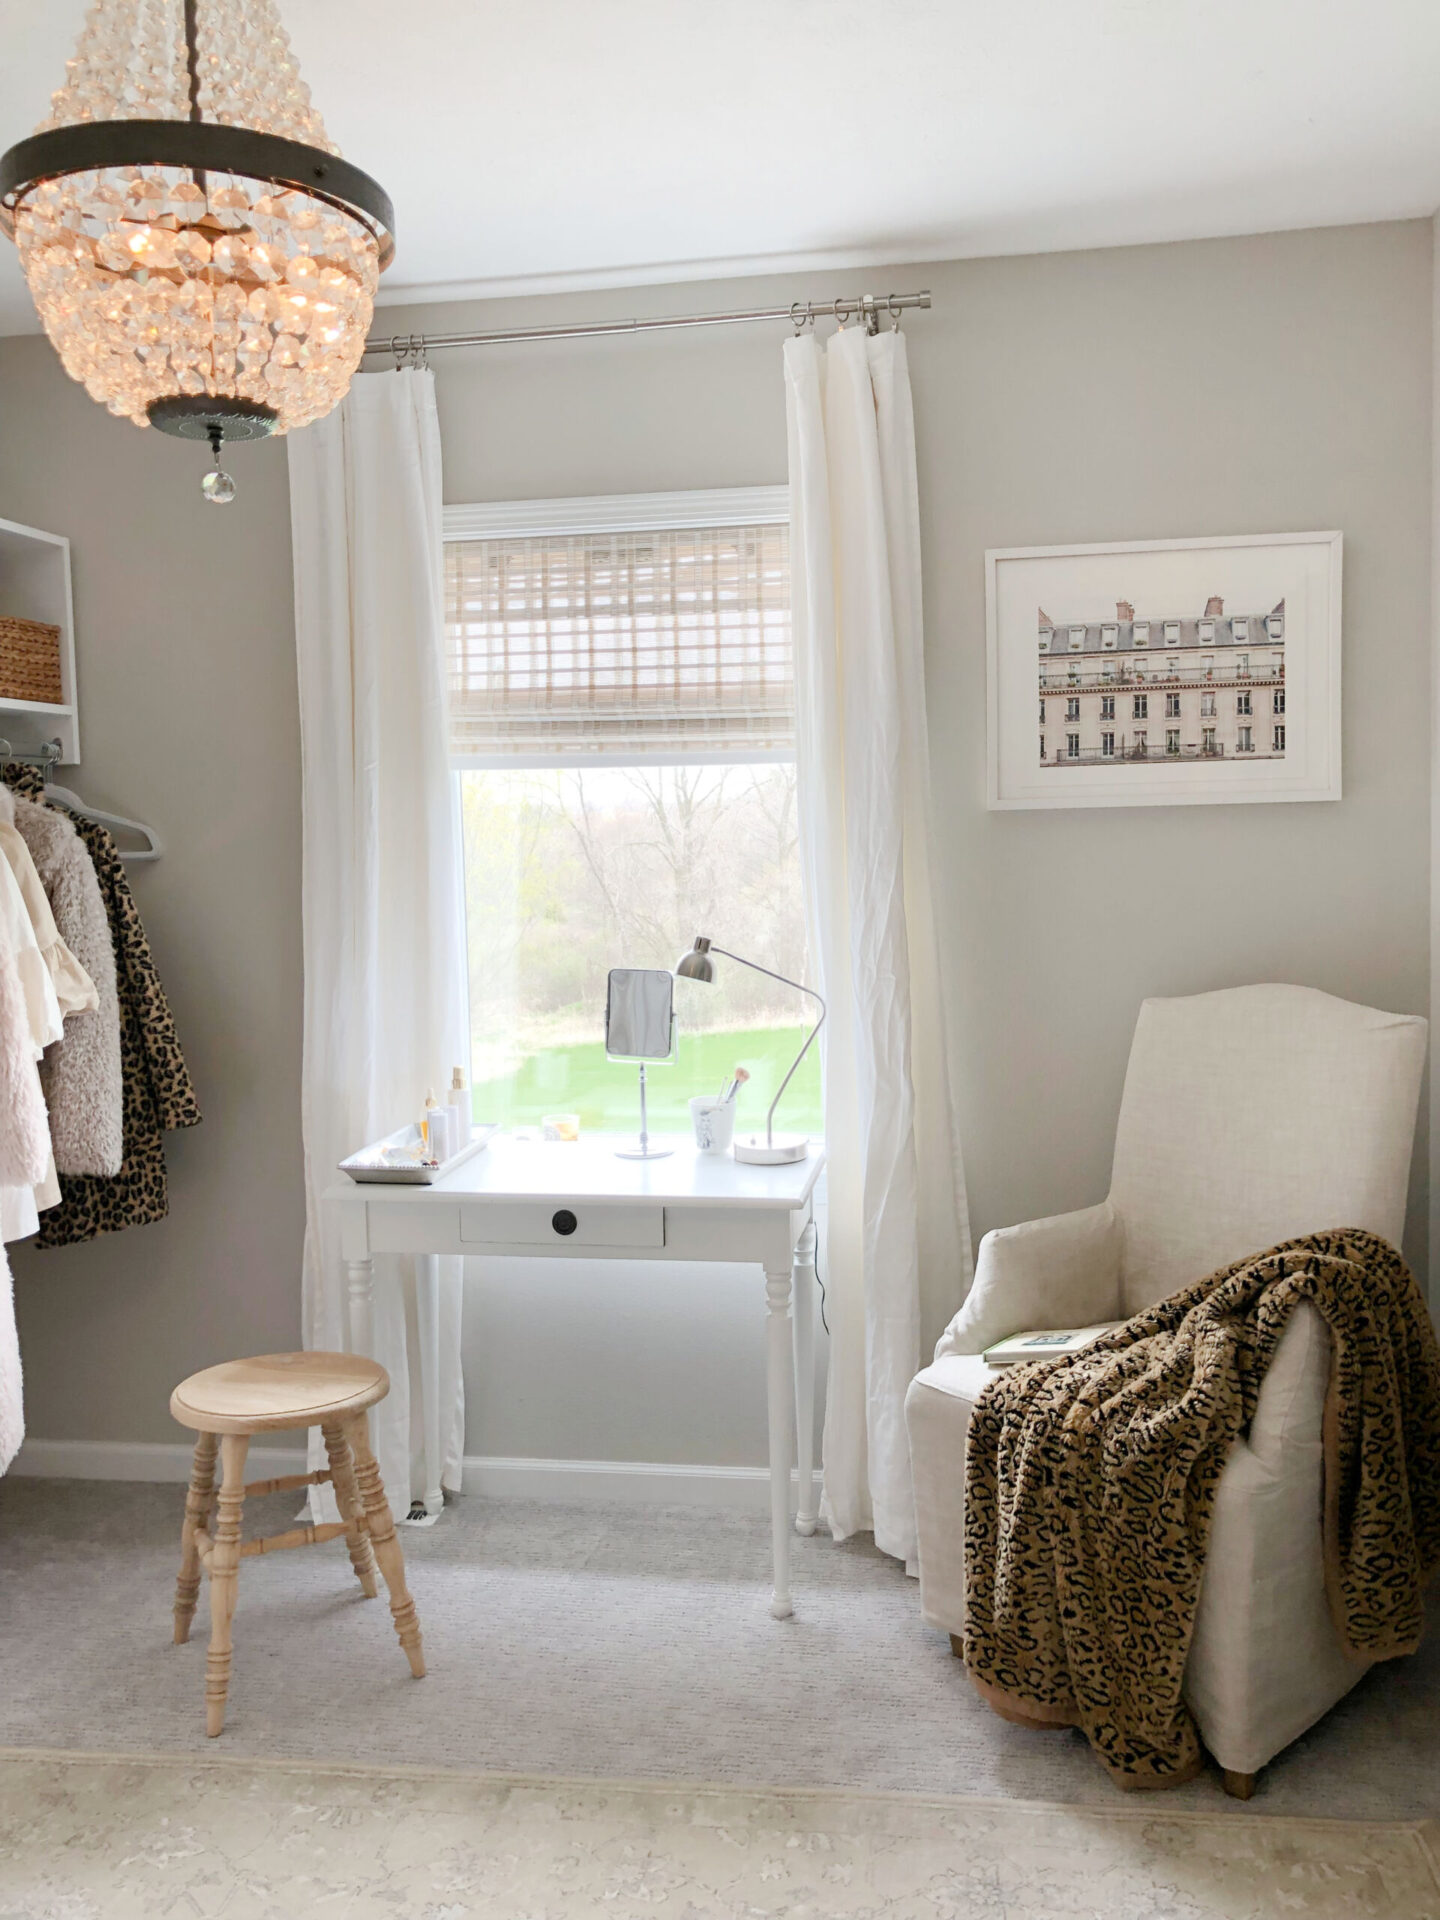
[35, 585]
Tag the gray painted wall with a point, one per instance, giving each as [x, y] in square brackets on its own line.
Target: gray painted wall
[1270, 383]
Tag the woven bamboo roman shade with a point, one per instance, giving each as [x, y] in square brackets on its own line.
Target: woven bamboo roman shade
[674, 641]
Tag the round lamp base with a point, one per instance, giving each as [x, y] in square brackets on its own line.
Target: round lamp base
[755, 1151]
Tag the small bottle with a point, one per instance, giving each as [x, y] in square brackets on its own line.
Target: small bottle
[432, 1126]
[459, 1110]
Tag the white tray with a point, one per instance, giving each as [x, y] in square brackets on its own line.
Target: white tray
[373, 1166]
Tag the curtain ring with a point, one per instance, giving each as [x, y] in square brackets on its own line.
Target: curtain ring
[797, 318]
[894, 313]
[419, 355]
[842, 311]
[398, 351]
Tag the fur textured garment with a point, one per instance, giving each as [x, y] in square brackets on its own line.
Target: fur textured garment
[81, 1073]
[1090, 1484]
[157, 1091]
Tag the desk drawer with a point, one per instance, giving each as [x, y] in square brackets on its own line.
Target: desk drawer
[565, 1225]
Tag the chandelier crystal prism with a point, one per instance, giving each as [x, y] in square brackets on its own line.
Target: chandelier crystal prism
[199, 253]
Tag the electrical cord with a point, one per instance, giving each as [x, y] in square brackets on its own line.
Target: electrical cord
[821, 1284]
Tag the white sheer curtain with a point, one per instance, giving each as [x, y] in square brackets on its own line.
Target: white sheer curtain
[897, 1218]
[382, 918]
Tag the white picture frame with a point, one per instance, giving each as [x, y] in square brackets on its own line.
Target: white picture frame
[1251, 692]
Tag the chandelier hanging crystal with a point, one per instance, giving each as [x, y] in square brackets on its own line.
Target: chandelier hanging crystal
[200, 255]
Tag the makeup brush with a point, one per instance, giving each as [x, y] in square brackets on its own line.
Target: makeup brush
[741, 1076]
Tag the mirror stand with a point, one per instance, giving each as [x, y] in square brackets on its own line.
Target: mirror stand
[644, 1151]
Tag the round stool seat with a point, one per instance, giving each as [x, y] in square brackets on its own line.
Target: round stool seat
[275, 1390]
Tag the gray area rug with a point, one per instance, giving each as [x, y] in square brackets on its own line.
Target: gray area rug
[615, 1642]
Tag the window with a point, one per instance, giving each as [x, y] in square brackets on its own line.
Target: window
[1275, 626]
[1207, 666]
[1140, 634]
[1107, 746]
[622, 727]
[1141, 707]
[1042, 749]
[1045, 639]
[1240, 630]
[1207, 706]
[1245, 742]
[1108, 637]
[1072, 678]
[1042, 713]
[1107, 669]
[1107, 706]
[1172, 667]
[1277, 739]
[1207, 740]
[1140, 749]
[1077, 639]
[1172, 633]
[1277, 700]
[1242, 703]
[1072, 708]
[1242, 664]
[1172, 706]
[1172, 740]
[1205, 633]
[1072, 746]
[1278, 664]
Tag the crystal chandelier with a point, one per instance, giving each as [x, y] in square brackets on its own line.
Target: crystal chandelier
[200, 255]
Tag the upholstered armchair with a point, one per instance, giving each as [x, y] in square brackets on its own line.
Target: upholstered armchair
[1248, 1116]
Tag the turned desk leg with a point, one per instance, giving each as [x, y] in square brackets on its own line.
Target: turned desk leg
[427, 1324]
[197, 1514]
[780, 1393]
[224, 1577]
[804, 1270]
[361, 1277]
[381, 1523]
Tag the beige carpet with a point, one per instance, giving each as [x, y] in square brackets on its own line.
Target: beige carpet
[612, 1642]
[86, 1837]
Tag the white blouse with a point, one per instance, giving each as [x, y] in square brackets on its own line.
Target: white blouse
[20, 1207]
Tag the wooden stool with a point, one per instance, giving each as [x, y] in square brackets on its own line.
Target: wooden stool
[226, 1405]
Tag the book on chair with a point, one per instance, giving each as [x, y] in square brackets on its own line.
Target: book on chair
[1045, 1344]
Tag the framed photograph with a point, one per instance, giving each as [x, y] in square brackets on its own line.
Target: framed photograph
[1163, 673]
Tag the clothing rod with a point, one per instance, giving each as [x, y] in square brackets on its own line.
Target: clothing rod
[45, 755]
[869, 307]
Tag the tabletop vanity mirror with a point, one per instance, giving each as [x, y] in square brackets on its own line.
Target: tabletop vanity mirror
[640, 1027]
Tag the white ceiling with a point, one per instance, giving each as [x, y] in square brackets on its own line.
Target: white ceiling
[564, 143]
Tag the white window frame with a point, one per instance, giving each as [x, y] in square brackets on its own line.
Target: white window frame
[616, 513]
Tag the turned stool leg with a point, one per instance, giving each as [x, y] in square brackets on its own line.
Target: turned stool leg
[197, 1513]
[347, 1498]
[224, 1577]
[381, 1524]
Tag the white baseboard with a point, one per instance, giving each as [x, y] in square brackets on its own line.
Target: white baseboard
[639, 1482]
[137, 1460]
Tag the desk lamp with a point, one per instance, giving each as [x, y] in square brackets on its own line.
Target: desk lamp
[775, 1149]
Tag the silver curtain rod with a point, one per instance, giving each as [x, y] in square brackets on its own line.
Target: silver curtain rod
[869, 307]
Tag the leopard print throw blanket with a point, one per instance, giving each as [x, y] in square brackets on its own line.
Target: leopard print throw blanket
[1090, 1481]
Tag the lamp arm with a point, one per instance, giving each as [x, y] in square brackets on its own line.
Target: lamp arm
[785, 981]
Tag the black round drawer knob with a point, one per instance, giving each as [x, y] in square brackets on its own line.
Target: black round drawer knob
[564, 1221]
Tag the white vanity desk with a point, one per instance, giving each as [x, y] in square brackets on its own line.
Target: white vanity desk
[580, 1200]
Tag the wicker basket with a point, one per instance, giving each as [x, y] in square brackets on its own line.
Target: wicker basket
[29, 660]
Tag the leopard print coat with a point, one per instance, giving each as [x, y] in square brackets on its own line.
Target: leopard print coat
[156, 1084]
[1090, 1484]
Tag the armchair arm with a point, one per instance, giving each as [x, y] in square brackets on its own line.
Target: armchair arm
[1060, 1272]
